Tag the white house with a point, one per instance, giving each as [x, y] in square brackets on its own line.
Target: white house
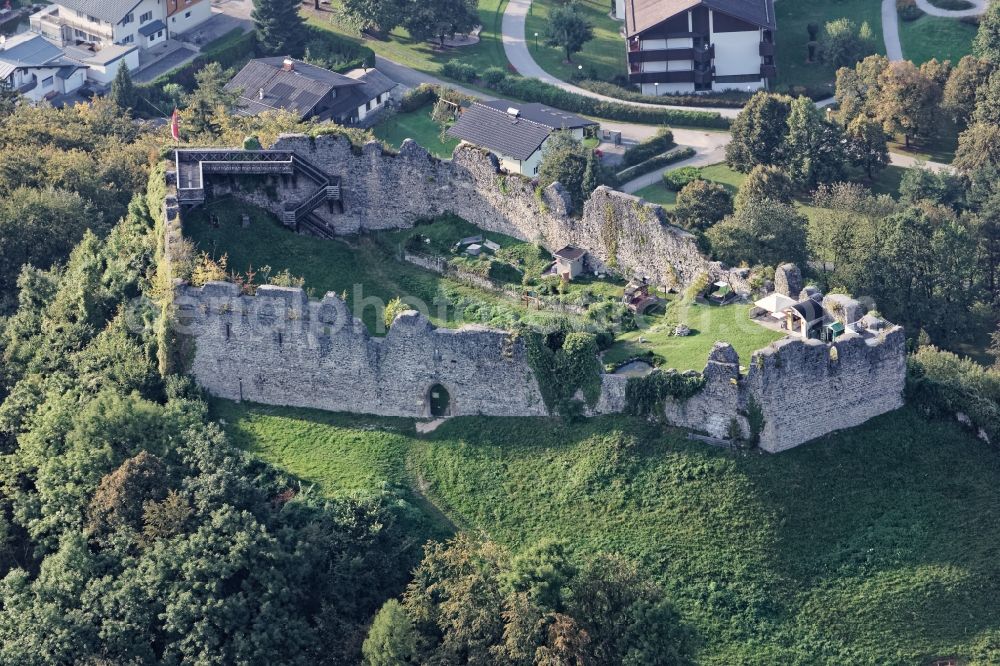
[143, 23]
[37, 68]
[516, 133]
[699, 45]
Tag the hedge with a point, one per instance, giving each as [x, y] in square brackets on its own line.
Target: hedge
[659, 143]
[533, 90]
[460, 71]
[676, 180]
[669, 157]
[417, 98]
[733, 99]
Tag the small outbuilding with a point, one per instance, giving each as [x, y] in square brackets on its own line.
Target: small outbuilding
[805, 318]
[569, 262]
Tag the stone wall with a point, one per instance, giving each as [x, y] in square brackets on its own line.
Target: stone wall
[808, 388]
[382, 190]
[280, 348]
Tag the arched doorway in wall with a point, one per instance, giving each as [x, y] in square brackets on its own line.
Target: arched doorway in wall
[439, 401]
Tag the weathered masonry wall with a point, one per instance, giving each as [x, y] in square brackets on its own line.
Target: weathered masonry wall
[381, 190]
[807, 388]
[278, 347]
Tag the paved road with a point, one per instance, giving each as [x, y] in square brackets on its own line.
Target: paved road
[516, 48]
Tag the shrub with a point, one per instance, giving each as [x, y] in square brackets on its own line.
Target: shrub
[533, 90]
[675, 180]
[732, 99]
[660, 161]
[943, 385]
[460, 71]
[419, 97]
[908, 10]
[660, 143]
[492, 76]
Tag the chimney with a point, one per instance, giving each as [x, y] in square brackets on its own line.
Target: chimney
[260, 94]
[288, 65]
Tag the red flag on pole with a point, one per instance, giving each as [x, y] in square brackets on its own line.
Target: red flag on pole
[175, 126]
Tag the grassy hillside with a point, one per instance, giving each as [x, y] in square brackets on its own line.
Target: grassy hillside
[876, 545]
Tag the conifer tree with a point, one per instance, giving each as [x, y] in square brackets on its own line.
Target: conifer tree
[279, 26]
[123, 92]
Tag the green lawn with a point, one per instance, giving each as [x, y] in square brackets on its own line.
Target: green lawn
[792, 36]
[419, 126]
[602, 58]
[934, 37]
[658, 194]
[716, 173]
[708, 323]
[423, 56]
[874, 545]
[360, 267]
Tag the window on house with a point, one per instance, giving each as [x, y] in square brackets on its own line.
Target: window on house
[47, 81]
[187, 14]
[129, 39]
[536, 170]
[148, 16]
[128, 18]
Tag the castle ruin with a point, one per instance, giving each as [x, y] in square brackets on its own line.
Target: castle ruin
[279, 347]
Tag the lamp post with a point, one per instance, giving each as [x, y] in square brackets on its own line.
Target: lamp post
[656, 88]
[536, 41]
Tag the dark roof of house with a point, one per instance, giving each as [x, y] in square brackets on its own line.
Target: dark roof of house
[570, 253]
[27, 50]
[499, 131]
[641, 15]
[809, 310]
[541, 114]
[371, 84]
[111, 11]
[298, 90]
[152, 28]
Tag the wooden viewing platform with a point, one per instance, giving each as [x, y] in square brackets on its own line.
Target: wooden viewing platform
[193, 164]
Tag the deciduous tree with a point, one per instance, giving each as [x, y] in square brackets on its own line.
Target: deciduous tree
[759, 132]
[568, 29]
[700, 204]
[764, 232]
[960, 92]
[866, 145]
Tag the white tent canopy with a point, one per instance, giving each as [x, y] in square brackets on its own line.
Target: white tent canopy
[775, 302]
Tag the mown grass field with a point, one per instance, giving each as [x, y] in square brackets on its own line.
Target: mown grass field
[875, 545]
[603, 57]
[793, 16]
[935, 37]
[708, 323]
[419, 126]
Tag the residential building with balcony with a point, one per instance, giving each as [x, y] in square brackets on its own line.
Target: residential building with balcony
[101, 23]
[38, 69]
[675, 46]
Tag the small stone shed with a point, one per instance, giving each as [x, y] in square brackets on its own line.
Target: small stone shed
[569, 261]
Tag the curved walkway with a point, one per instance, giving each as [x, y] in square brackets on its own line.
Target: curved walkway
[516, 48]
[890, 21]
[928, 8]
